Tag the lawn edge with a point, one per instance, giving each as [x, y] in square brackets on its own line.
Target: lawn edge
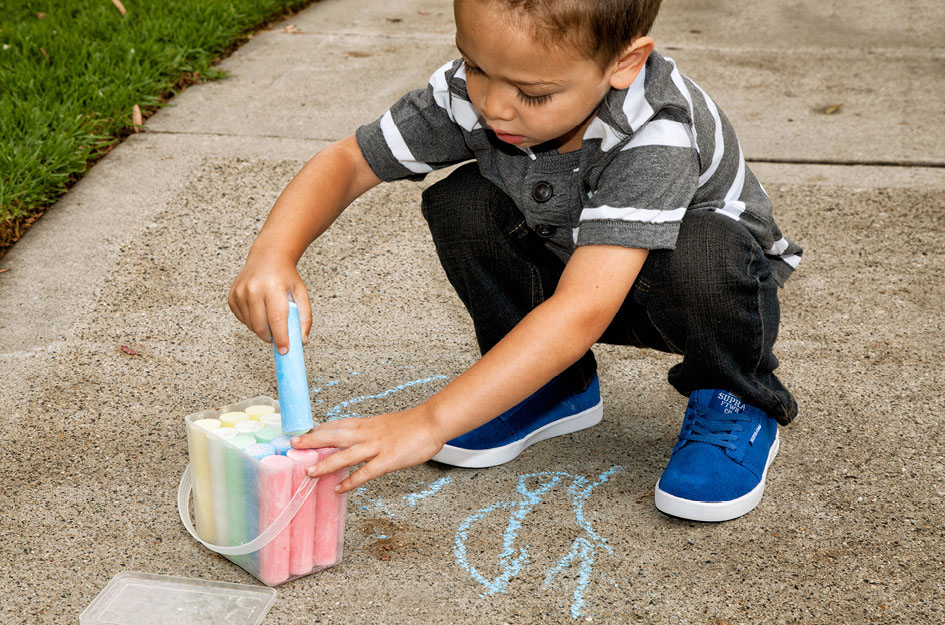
[12, 229]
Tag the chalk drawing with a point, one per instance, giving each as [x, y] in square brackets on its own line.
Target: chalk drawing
[512, 558]
[378, 504]
[433, 489]
[411, 499]
[336, 412]
[532, 488]
[339, 411]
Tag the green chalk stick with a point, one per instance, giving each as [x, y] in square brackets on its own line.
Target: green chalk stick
[266, 435]
[239, 493]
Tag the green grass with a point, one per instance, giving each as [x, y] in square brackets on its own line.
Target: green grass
[71, 71]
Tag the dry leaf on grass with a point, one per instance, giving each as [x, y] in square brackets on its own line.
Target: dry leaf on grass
[136, 118]
[120, 7]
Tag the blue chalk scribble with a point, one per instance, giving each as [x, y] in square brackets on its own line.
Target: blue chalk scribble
[433, 489]
[367, 501]
[336, 412]
[512, 558]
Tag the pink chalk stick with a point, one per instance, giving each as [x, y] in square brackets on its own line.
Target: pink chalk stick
[329, 515]
[302, 526]
[275, 492]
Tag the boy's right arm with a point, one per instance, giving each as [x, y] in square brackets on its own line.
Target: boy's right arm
[324, 187]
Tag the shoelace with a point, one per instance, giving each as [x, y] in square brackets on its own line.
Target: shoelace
[718, 430]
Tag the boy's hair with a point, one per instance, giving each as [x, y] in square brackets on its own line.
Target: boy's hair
[598, 29]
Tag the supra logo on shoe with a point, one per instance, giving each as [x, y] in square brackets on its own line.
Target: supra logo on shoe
[727, 403]
[751, 441]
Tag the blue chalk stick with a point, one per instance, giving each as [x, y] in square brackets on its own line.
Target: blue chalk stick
[295, 404]
[282, 444]
[260, 450]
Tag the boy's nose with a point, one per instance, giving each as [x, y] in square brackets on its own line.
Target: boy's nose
[494, 106]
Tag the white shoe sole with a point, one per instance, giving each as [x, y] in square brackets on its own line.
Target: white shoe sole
[715, 511]
[481, 458]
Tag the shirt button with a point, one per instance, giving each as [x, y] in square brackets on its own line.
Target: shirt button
[542, 191]
[545, 231]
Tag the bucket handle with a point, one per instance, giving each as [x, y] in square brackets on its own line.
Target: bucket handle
[303, 492]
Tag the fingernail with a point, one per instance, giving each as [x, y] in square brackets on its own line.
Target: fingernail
[338, 488]
[295, 440]
[283, 350]
[310, 471]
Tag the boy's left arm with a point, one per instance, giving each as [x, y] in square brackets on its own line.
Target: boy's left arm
[550, 338]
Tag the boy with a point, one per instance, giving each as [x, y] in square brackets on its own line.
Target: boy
[609, 201]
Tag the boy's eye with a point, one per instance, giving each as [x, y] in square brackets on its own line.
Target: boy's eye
[530, 100]
[533, 100]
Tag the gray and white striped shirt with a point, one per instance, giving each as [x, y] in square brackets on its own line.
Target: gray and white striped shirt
[651, 153]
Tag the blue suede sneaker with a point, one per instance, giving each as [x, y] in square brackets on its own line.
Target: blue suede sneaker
[718, 466]
[552, 410]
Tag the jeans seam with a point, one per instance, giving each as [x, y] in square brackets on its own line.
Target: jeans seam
[538, 288]
[662, 334]
[761, 317]
[761, 348]
[514, 233]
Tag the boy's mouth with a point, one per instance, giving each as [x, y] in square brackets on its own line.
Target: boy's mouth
[508, 138]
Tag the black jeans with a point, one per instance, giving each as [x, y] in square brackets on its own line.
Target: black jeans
[712, 299]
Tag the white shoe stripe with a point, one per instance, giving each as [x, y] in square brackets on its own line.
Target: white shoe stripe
[480, 458]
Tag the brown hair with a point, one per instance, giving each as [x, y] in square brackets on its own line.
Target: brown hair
[599, 29]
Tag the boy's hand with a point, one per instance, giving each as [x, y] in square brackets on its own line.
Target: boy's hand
[386, 443]
[330, 181]
[259, 299]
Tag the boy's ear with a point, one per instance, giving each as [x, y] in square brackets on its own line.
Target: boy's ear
[630, 62]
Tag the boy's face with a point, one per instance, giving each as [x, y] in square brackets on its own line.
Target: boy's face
[528, 94]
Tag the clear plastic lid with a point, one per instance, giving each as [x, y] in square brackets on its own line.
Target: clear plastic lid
[147, 599]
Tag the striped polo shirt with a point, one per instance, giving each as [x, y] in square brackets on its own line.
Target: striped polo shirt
[651, 153]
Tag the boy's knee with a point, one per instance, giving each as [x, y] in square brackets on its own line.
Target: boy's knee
[714, 253]
[446, 197]
[460, 208]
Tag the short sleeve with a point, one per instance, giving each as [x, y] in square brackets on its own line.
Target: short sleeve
[644, 190]
[417, 134]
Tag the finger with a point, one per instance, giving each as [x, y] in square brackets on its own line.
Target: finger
[238, 304]
[300, 295]
[370, 471]
[232, 303]
[339, 460]
[278, 322]
[258, 319]
[340, 433]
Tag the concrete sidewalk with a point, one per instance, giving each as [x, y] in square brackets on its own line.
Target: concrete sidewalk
[839, 111]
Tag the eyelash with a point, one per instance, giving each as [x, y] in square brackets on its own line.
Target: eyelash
[533, 100]
[529, 100]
